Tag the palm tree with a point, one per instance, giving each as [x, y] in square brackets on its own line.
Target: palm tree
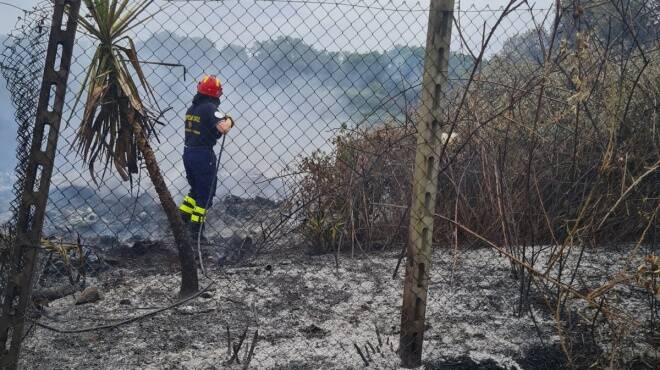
[116, 124]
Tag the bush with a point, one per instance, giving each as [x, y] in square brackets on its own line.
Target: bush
[352, 195]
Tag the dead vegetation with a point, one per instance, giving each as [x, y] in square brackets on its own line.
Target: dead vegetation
[556, 154]
[312, 315]
[550, 159]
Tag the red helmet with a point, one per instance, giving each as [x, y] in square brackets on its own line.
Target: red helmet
[210, 86]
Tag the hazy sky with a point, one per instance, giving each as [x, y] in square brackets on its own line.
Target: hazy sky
[8, 14]
[291, 113]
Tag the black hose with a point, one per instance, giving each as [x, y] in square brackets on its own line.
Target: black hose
[208, 201]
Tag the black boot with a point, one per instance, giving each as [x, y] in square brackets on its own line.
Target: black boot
[197, 231]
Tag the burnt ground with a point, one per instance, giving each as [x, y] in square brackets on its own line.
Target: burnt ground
[311, 313]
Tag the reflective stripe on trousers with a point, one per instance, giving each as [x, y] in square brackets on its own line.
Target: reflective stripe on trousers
[199, 215]
[188, 205]
[200, 163]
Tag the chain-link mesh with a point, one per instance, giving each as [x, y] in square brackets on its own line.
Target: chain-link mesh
[23, 55]
[310, 222]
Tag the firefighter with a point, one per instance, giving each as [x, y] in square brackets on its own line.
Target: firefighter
[204, 125]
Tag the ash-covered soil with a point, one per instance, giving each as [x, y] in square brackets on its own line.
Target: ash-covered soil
[313, 313]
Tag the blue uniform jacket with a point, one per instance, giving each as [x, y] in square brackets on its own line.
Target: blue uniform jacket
[201, 122]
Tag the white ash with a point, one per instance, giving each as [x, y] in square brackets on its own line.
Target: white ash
[309, 315]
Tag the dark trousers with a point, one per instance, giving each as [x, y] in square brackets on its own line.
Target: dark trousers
[200, 163]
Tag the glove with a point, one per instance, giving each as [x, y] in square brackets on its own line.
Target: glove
[223, 116]
[230, 118]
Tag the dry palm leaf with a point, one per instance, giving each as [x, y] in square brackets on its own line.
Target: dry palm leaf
[113, 101]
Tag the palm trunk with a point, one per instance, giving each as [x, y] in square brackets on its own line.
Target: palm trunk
[189, 280]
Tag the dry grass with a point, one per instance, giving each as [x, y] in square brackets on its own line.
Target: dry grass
[561, 155]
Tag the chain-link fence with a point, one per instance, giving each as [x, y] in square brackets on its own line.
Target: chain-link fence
[309, 227]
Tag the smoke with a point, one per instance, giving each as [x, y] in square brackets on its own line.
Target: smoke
[288, 100]
[292, 80]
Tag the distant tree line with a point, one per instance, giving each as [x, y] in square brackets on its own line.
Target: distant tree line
[365, 79]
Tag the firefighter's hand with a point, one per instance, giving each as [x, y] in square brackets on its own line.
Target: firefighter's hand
[225, 125]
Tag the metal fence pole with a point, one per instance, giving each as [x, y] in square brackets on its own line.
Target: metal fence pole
[34, 197]
[425, 183]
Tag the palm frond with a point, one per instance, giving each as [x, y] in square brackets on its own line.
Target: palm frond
[128, 20]
[113, 104]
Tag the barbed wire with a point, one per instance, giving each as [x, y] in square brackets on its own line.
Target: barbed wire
[473, 8]
[13, 6]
